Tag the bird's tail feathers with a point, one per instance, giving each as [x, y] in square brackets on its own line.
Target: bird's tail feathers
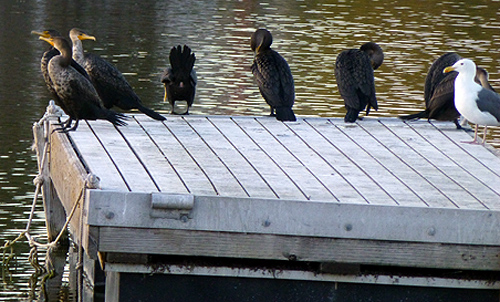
[117, 119]
[351, 116]
[285, 114]
[182, 60]
[151, 113]
[415, 116]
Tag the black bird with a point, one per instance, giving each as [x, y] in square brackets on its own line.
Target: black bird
[77, 94]
[482, 78]
[273, 76]
[355, 80]
[49, 54]
[439, 91]
[180, 78]
[109, 82]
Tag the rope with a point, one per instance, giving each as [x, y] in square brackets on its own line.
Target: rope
[91, 182]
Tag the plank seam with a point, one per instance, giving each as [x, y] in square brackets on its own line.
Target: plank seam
[138, 158]
[461, 167]
[193, 158]
[403, 162]
[468, 153]
[424, 158]
[354, 163]
[465, 151]
[244, 157]
[326, 161]
[296, 158]
[163, 154]
[109, 155]
[273, 160]
[406, 164]
[217, 155]
[78, 153]
[435, 166]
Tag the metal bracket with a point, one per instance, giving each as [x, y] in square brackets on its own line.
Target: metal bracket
[172, 206]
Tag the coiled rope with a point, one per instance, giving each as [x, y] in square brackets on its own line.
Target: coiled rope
[91, 182]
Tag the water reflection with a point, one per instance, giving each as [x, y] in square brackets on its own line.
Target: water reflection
[137, 36]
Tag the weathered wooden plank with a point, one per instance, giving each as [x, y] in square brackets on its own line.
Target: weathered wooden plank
[459, 137]
[221, 177]
[112, 287]
[249, 178]
[395, 157]
[258, 246]
[127, 163]
[154, 161]
[303, 146]
[293, 168]
[453, 146]
[55, 216]
[298, 218]
[367, 175]
[451, 177]
[279, 182]
[191, 174]
[96, 159]
[456, 149]
[68, 177]
[419, 156]
[475, 161]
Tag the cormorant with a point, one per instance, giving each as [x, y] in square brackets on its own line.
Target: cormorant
[354, 73]
[482, 78]
[273, 76]
[477, 104]
[439, 91]
[180, 78]
[77, 94]
[49, 54]
[109, 82]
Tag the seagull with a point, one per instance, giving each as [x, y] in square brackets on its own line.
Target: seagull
[477, 104]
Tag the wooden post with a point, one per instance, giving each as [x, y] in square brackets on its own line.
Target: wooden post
[87, 289]
[55, 260]
[112, 286]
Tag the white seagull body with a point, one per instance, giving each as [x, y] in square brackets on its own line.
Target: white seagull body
[478, 105]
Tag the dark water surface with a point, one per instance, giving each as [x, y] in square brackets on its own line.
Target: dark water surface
[137, 36]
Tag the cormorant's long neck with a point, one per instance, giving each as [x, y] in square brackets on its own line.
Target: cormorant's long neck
[77, 50]
[483, 80]
[66, 56]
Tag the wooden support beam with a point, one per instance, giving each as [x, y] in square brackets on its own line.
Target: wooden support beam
[68, 177]
[276, 247]
[55, 215]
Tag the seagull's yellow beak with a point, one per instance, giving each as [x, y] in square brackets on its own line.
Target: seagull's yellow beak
[448, 69]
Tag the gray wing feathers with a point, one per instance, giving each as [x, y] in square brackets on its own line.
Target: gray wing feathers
[489, 101]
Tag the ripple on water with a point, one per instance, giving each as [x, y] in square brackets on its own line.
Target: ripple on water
[309, 34]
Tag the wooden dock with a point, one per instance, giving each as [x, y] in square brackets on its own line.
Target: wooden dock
[317, 199]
